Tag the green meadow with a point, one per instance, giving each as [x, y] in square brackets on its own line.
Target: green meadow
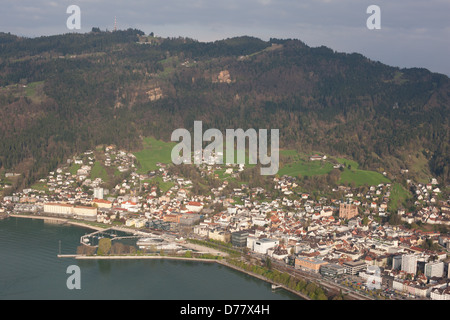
[163, 186]
[305, 168]
[98, 171]
[299, 164]
[399, 196]
[153, 151]
[362, 177]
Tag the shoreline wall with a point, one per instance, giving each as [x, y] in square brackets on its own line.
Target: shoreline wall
[221, 262]
[58, 220]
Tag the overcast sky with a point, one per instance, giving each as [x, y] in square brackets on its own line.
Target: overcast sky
[414, 33]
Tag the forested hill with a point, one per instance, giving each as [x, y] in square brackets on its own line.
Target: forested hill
[65, 94]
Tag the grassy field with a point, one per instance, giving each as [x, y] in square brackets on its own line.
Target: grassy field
[306, 168]
[299, 164]
[398, 197]
[34, 90]
[346, 163]
[98, 171]
[74, 168]
[418, 165]
[154, 151]
[163, 186]
[362, 177]
[40, 186]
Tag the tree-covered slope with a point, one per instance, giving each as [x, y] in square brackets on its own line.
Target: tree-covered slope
[68, 93]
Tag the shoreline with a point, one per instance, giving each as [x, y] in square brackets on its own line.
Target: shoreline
[220, 262]
[58, 221]
[135, 257]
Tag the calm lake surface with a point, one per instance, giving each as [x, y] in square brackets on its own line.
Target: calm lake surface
[30, 269]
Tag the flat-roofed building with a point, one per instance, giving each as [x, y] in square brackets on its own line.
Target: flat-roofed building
[409, 263]
[309, 264]
[239, 238]
[332, 270]
[188, 219]
[354, 267]
[434, 269]
[172, 218]
[98, 193]
[397, 262]
[262, 245]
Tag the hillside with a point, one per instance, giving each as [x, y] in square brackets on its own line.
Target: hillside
[66, 94]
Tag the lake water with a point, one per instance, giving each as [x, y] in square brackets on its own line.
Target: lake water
[30, 269]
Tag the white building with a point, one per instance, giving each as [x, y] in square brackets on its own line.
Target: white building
[98, 193]
[409, 263]
[262, 245]
[194, 206]
[440, 294]
[434, 269]
[80, 212]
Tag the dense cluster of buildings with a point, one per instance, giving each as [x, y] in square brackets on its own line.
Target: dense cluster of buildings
[430, 208]
[320, 235]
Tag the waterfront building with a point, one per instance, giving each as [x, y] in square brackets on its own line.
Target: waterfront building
[332, 270]
[68, 210]
[354, 267]
[262, 245]
[309, 264]
[239, 238]
[219, 235]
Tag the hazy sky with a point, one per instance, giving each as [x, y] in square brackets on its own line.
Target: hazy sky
[414, 33]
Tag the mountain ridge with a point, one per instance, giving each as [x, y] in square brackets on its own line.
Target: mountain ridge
[67, 93]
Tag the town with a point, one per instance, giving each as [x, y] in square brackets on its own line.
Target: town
[345, 240]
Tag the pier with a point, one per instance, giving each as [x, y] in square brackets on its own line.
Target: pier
[275, 286]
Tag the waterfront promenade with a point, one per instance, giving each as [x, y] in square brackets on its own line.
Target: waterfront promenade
[58, 221]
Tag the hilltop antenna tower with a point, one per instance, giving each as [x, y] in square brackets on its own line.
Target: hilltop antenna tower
[115, 24]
